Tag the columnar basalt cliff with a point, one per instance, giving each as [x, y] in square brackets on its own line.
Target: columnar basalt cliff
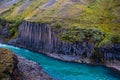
[112, 52]
[40, 37]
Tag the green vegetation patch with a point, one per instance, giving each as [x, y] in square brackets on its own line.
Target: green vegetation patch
[83, 35]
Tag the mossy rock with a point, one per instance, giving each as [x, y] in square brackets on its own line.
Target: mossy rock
[7, 64]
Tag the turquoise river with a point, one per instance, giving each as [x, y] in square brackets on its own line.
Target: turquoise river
[61, 70]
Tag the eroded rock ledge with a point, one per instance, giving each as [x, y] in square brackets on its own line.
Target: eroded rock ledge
[8, 66]
[18, 68]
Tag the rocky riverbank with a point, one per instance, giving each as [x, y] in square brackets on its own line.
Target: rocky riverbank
[31, 70]
[13, 67]
[111, 64]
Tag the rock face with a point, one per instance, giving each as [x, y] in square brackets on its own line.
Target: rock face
[112, 52]
[8, 66]
[5, 33]
[40, 37]
[18, 68]
[31, 70]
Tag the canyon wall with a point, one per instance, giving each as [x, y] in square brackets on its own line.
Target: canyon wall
[40, 37]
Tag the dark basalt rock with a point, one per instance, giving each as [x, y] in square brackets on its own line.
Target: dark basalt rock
[111, 52]
[40, 37]
[5, 33]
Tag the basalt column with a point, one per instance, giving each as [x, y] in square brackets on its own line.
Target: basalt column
[39, 36]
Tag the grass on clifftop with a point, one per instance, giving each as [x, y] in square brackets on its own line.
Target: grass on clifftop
[102, 15]
[12, 14]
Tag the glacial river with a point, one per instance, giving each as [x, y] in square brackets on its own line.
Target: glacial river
[61, 70]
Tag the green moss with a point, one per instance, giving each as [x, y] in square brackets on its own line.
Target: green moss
[115, 39]
[58, 25]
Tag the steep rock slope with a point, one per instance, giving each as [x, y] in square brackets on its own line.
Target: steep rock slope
[40, 37]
